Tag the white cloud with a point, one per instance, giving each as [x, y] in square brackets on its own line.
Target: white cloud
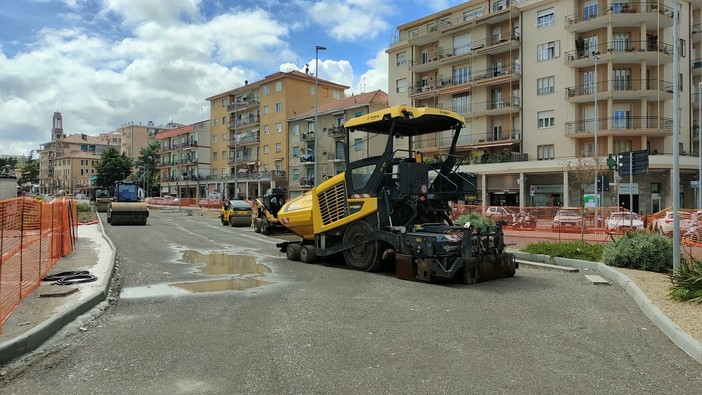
[351, 20]
[135, 12]
[377, 75]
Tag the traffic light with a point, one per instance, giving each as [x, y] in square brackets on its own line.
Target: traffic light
[611, 162]
[602, 183]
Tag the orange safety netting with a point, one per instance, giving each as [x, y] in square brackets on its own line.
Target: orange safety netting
[34, 235]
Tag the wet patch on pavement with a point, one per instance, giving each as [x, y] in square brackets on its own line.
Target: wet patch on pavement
[245, 274]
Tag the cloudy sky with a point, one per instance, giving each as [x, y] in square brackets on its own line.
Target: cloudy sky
[103, 63]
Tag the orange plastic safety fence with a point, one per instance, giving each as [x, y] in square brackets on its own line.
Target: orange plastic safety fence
[34, 235]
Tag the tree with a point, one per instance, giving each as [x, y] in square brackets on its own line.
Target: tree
[29, 170]
[112, 167]
[581, 173]
[147, 160]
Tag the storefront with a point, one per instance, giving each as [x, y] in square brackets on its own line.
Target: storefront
[546, 195]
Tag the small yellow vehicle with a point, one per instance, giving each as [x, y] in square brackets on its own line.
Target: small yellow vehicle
[236, 213]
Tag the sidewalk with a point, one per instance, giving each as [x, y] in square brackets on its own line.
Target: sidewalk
[38, 318]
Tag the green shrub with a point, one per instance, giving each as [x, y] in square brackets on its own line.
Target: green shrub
[83, 208]
[567, 249]
[652, 252]
[476, 220]
[687, 282]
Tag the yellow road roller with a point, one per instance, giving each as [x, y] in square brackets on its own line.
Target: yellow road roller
[126, 209]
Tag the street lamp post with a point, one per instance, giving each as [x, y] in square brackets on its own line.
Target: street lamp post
[596, 57]
[317, 48]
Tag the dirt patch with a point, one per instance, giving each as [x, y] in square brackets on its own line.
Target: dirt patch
[87, 216]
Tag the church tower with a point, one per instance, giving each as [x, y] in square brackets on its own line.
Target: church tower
[57, 129]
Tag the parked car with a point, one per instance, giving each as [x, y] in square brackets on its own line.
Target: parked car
[567, 218]
[624, 220]
[665, 225]
[236, 213]
[499, 214]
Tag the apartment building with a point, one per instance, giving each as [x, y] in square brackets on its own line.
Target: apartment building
[135, 137]
[537, 79]
[327, 148]
[65, 162]
[184, 160]
[249, 130]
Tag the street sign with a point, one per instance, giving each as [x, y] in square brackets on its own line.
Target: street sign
[532, 190]
[638, 161]
[694, 184]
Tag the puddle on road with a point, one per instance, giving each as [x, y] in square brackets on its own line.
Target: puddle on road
[175, 289]
[219, 263]
[215, 264]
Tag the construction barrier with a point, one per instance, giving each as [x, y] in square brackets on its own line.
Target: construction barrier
[34, 235]
[526, 225]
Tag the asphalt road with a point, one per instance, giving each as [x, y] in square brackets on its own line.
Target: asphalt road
[288, 327]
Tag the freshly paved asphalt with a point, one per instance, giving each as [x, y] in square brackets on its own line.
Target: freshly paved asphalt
[332, 330]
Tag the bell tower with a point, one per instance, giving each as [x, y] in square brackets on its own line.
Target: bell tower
[57, 129]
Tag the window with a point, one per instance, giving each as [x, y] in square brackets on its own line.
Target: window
[224, 137]
[279, 86]
[472, 14]
[622, 146]
[590, 9]
[622, 79]
[545, 17]
[461, 75]
[266, 149]
[335, 94]
[265, 90]
[266, 168]
[357, 144]
[312, 89]
[621, 42]
[401, 85]
[549, 50]
[278, 107]
[461, 103]
[296, 151]
[266, 110]
[622, 120]
[413, 33]
[545, 152]
[278, 148]
[295, 174]
[278, 127]
[401, 59]
[545, 86]
[214, 139]
[278, 166]
[462, 44]
[296, 129]
[224, 103]
[214, 156]
[224, 155]
[224, 120]
[546, 119]
[214, 122]
[266, 129]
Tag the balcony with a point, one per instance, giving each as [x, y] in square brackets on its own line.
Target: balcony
[631, 14]
[307, 159]
[696, 66]
[245, 122]
[248, 159]
[490, 139]
[336, 131]
[620, 126]
[624, 51]
[495, 107]
[491, 76]
[307, 137]
[621, 90]
[307, 182]
[335, 157]
[244, 141]
[243, 104]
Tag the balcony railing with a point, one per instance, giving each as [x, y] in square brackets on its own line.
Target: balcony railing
[309, 136]
[696, 63]
[619, 123]
[336, 131]
[244, 121]
[486, 138]
[625, 7]
[620, 47]
[307, 182]
[245, 102]
[619, 86]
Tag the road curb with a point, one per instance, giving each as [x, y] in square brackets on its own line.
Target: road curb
[686, 342]
[35, 337]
